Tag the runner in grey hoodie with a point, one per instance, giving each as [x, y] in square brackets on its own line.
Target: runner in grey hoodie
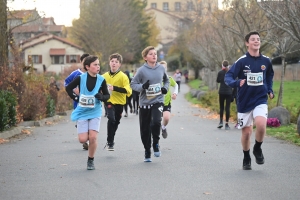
[152, 82]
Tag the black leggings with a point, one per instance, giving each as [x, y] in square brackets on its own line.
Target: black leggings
[128, 103]
[135, 98]
[222, 99]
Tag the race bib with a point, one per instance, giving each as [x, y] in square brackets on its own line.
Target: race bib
[255, 79]
[153, 90]
[86, 101]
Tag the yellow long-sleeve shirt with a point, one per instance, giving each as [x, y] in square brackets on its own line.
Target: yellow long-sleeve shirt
[120, 80]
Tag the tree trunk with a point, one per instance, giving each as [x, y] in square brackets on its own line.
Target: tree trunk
[280, 93]
[4, 34]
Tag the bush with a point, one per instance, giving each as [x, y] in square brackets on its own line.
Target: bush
[50, 107]
[8, 102]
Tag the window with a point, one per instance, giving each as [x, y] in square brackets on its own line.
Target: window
[165, 6]
[177, 6]
[37, 59]
[72, 58]
[190, 6]
[153, 5]
[57, 59]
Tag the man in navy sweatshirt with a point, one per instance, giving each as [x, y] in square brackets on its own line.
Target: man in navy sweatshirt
[252, 75]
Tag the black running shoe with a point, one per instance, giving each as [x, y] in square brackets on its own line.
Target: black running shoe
[110, 146]
[90, 165]
[247, 164]
[147, 156]
[220, 125]
[85, 146]
[259, 157]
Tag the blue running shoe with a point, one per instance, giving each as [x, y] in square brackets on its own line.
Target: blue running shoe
[156, 150]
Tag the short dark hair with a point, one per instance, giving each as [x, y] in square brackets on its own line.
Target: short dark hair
[84, 56]
[249, 34]
[146, 51]
[225, 63]
[117, 56]
[88, 60]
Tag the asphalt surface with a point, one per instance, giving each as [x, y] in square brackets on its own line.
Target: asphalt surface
[198, 161]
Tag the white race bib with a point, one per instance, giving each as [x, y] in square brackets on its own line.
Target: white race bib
[86, 101]
[153, 90]
[255, 79]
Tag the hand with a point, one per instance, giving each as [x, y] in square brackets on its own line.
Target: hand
[99, 96]
[76, 90]
[146, 85]
[174, 95]
[164, 90]
[271, 95]
[242, 82]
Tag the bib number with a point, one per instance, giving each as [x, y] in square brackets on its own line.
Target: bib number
[255, 79]
[86, 101]
[153, 90]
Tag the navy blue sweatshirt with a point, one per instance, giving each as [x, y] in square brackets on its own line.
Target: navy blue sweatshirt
[248, 97]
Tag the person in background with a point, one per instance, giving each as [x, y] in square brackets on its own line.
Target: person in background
[92, 92]
[135, 99]
[152, 82]
[167, 102]
[177, 77]
[74, 74]
[225, 95]
[252, 75]
[128, 98]
[118, 86]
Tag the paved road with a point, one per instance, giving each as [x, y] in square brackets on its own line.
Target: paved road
[198, 162]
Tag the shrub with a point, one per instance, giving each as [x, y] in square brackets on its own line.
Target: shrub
[7, 110]
[50, 107]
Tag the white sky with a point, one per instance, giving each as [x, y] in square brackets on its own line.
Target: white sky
[63, 11]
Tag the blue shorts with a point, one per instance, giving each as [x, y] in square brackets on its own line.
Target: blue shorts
[83, 126]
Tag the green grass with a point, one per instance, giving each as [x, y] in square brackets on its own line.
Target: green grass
[287, 133]
[291, 101]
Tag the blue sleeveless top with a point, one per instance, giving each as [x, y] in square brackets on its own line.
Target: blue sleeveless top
[88, 107]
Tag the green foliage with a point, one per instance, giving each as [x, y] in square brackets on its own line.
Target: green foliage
[3, 114]
[50, 107]
[8, 104]
[288, 133]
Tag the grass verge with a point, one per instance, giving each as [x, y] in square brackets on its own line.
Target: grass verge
[287, 133]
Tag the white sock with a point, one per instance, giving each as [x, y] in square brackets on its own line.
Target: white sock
[163, 127]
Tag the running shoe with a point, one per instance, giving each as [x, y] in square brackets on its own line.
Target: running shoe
[164, 133]
[247, 164]
[220, 125]
[109, 146]
[147, 156]
[227, 127]
[259, 157]
[85, 146]
[156, 150]
[126, 115]
[90, 165]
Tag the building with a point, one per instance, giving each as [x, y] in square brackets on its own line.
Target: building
[50, 52]
[25, 24]
[173, 16]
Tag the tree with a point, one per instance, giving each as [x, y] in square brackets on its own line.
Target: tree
[284, 14]
[4, 34]
[107, 27]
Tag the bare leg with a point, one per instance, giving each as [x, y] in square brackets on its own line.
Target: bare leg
[246, 137]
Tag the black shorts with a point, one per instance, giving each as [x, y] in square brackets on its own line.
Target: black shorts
[167, 108]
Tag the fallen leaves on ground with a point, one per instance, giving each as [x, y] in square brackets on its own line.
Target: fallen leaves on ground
[25, 131]
[3, 141]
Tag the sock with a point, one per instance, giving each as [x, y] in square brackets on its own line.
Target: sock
[246, 154]
[257, 145]
[163, 127]
[89, 158]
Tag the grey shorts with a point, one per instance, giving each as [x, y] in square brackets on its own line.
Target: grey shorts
[83, 126]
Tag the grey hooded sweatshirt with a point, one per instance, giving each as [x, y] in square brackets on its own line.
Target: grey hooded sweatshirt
[157, 77]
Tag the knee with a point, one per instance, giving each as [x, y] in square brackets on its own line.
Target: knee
[92, 139]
